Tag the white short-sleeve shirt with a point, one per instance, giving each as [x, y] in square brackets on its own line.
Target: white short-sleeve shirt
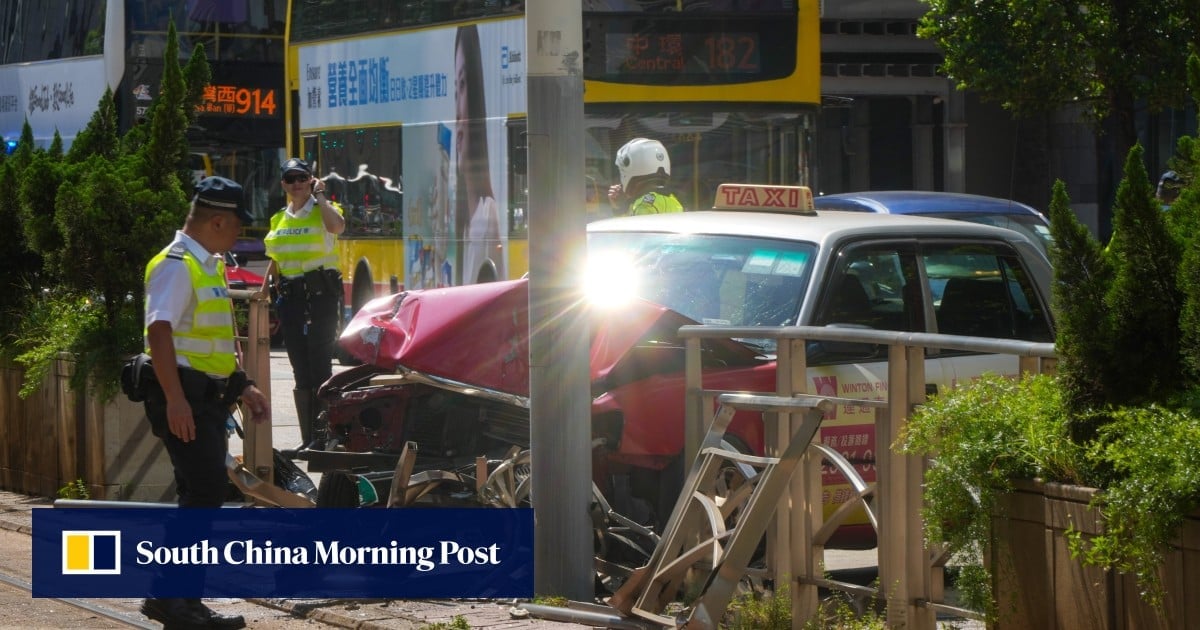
[170, 296]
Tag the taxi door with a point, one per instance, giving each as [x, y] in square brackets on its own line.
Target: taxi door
[983, 290]
[875, 284]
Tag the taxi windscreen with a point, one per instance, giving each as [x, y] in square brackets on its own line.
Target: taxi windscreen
[722, 280]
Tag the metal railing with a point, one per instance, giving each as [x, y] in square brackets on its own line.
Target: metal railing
[910, 573]
[257, 447]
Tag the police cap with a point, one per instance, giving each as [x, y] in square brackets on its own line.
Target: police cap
[220, 193]
[295, 164]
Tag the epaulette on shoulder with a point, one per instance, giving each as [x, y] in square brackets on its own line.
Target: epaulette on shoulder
[648, 198]
[177, 251]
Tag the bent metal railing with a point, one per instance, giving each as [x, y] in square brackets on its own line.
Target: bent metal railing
[910, 573]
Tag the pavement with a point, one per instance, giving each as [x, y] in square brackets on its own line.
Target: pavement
[16, 515]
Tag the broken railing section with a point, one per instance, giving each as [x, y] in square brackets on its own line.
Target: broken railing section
[713, 538]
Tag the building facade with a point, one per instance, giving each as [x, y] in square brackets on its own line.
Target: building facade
[58, 58]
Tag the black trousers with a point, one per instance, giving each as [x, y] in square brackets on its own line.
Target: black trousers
[200, 476]
[310, 326]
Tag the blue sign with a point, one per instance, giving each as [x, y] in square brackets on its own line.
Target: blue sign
[313, 553]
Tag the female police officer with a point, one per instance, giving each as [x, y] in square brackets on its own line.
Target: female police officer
[303, 264]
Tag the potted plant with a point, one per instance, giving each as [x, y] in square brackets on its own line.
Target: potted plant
[1090, 474]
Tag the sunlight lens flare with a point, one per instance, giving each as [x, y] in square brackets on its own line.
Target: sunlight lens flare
[610, 280]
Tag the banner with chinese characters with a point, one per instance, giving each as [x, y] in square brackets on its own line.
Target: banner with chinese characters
[407, 77]
[52, 95]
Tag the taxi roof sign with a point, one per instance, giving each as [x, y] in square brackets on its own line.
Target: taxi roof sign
[791, 199]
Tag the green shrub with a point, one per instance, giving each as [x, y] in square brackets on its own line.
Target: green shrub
[75, 490]
[1154, 454]
[760, 610]
[986, 434]
[982, 436]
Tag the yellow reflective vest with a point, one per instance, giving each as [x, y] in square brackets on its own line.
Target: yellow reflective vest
[300, 244]
[655, 203]
[206, 339]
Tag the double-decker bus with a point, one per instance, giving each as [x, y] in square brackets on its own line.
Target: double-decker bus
[415, 115]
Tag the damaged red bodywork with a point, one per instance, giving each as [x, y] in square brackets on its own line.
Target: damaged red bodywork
[448, 369]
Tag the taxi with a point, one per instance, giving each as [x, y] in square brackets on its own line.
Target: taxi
[763, 257]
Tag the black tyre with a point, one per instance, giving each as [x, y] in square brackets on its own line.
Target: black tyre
[337, 490]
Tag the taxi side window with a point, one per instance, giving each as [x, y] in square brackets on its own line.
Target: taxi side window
[874, 286]
[984, 291]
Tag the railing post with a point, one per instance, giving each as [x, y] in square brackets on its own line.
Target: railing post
[257, 447]
[800, 510]
[695, 420]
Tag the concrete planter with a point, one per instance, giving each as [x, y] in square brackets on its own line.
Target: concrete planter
[1039, 585]
[59, 435]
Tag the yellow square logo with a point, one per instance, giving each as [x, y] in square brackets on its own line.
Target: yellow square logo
[91, 552]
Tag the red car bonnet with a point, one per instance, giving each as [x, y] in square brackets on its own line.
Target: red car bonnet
[241, 275]
[479, 334]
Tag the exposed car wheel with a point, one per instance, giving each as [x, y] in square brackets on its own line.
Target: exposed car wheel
[337, 490]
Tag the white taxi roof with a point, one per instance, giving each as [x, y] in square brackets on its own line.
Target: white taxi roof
[822, 227]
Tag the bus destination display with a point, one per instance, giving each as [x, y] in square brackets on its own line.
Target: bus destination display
[682, 52]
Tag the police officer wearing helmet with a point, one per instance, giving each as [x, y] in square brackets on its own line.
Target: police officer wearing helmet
[301, 244]
[189, 336]
[645, 171]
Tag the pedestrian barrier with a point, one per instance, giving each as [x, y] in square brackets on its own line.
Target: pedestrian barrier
[713, 530]
[910, 573]
[725, 552]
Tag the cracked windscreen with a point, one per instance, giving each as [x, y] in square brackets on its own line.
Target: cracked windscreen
[719, 280]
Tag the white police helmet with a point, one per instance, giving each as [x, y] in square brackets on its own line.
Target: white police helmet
[640, 157]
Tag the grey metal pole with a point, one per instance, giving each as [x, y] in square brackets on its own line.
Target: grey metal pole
[559, 404]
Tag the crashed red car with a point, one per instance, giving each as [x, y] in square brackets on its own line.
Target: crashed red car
[448, 368]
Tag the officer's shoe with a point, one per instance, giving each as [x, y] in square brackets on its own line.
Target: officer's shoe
[216, 619]
[175, 614]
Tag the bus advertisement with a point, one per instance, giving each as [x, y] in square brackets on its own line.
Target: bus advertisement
[415, 117]
[399, 151]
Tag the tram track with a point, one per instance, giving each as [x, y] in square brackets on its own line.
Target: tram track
[95, 609]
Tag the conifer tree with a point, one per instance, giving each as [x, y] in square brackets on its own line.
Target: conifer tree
[55, 150]
[1081, 278]
[100, 137]
[38, 186]
[1184, 219]
[1144, 302]
[165, 150]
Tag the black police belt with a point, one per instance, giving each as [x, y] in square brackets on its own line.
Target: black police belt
[138, 377]
[199, 385]
[315, 283]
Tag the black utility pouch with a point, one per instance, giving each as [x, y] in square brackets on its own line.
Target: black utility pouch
[314, 281]
[333, 281]
[136, 376]
[233, 388]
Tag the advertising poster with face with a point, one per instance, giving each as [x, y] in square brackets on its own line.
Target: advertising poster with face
[451, 91]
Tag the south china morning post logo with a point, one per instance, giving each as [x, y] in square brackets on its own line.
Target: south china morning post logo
[429, 553]
[91, 552]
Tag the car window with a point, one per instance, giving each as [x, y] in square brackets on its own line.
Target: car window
[1033, 227]
[984, 291]
[874, 286]
[723, 280]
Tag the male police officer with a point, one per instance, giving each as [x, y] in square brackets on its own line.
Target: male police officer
[645, 171]
[190, 338]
